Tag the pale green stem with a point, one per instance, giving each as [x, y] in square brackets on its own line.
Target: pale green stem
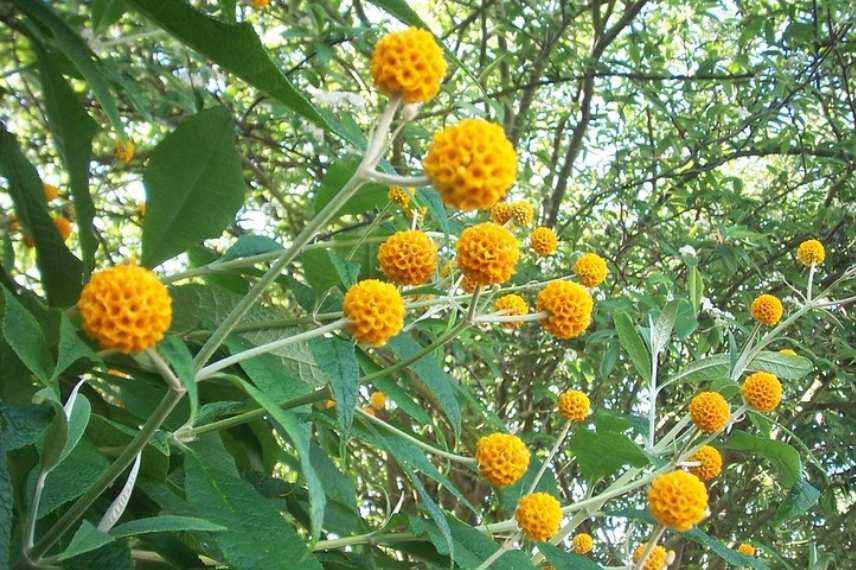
[810, 282]
[504, 547]
[395, 180]
[308, 232]
[652, 412]
[415, 441]
[368, 538]
[565, 429]
[497, 318]
[212, 369]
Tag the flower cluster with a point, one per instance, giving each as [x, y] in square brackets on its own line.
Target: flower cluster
[746, 549]
[374, 311]
[125, 308]
[377, 400]
[582, 543]
[709, 460]
[590, 269]
[409, 64]
[656, 558]
[762, 391]
[472, 164]
[487, 253]
[502, 458]
[408, 257]
[511, 305]
[568, 307]
[811, 252]
[400, 196]
[710, 412]
[767, 310]
[123, 150]
[574, 405]
[543, 241]
[677, 500]
[538, 515]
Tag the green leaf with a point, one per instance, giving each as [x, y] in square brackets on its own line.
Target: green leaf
[165, 523]
[588, 447]
[77, 51]
[61, 272]
[23, 333]
[71, 347]
[695, 287]
[234, 47]
[258, 536]
[661, 331]
[73, 130]
[429, 371]
[78, 419]
[784, 458]
[348, 271]
[114, 555]
[86, 539]
[717, 547]
[802, 497]
[249, 244]
[703, 370]
[369, 197]
[106, 433]
[783, 366]
[563, 560]
[105, 13]
[337, 359]
[267, 373]
[178, 356]
[632, 343]
[299, 433]
[194, 185]
[71, 478]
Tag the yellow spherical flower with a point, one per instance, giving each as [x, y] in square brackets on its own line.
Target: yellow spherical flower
[538, 515]
[472, 164]
[374, 310]
[511, 305]
[811, 252]
[408, 257]
[710, 411]
[502, 458]
[568, 307]
[746, 549]
[125, 308]
[590, 269]
[124, 150]
[487, 253]
[656, 558]
[582, 543]
[63, 226]
[523, 213]
[762, 391]
[788, 352]
[677, 500]
[767, 310]
[377, 400]
[710, 463]
[260, 3]
[501, 213]
[400, 196]
[328, 404]
[51, 192]
[409, 64]
[574, 405]
[543, 241]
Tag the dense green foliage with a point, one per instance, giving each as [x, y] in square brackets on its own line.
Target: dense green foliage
[692, 144]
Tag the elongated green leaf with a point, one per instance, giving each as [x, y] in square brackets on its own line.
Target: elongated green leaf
[632, 343]
[249, 244]
[695, 287]
[194, 185]
[704, 370]
[71, 347]
[78, 419]
[258, 536]
[105, 13]
[23, 333]
[802, 497]
[235, 47]
[784, 458]
[86, 539]
[661, 331]
[588, 447]
[60, 271]
[784, 366]
[165, 523]
[71, 478]
[179, 357]
[78, 52]
[73, 130]
[728, 554]
[268, 374]
[337, 359]
[429, 371]
[106, 433]
[299, 433]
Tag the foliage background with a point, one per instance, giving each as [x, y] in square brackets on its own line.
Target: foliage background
[642, 128]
